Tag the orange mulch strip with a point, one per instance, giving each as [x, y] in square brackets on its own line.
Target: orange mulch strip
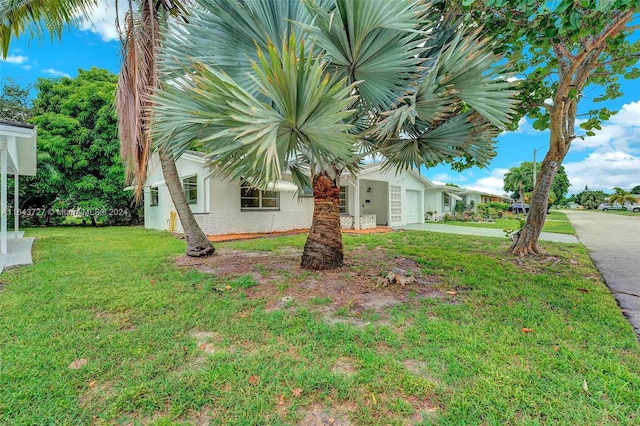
[233, 237]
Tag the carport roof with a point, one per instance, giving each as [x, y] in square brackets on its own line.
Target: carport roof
[23, 154]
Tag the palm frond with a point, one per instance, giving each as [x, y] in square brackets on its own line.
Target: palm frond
[38, 17]
[227, 34]
[137, 80]
[372, 42]
[305, 114]
[466, 135]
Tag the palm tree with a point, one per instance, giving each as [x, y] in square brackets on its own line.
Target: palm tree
[38, 17]
[621, 197]
[138, 78]
[312, 87]
[517, 177]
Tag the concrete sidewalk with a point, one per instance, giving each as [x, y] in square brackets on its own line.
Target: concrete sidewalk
[483, 232]
[18, 252]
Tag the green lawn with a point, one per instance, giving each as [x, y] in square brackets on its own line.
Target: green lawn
[515, 341]
[556, 222]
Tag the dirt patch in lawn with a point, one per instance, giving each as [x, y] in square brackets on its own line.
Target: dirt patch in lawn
[356, 287]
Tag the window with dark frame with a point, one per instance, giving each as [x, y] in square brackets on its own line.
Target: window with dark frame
[252, 198]
[153, 196]
[190, 186]
[343, 200]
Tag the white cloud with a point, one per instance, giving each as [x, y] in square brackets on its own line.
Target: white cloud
[443, 178]
[55, 73]
[16, 59]
[102, 21]
[603, 171]
[620, 133]
[492, 184]
[26, 67]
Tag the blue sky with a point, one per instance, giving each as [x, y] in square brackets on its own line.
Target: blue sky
[611, 158]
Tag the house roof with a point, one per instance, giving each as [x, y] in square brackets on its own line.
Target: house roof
[371, 167]
[21, 140]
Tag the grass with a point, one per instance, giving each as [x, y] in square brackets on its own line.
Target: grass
[556, 222]
[162, 348]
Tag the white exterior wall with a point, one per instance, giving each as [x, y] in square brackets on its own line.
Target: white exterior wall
[157, 217]
[380, 198]
[433, 202]
[218, 206]
[226, 216]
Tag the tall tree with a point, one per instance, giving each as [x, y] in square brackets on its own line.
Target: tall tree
[78, 146]
[140, 36]
[311, 87]
[559, 186]
[590, 199]
[515, 180]
[561, 48]
[15, 104]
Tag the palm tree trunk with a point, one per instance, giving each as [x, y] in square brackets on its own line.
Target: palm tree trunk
[527, 238]
[323, 249]
[198, 245]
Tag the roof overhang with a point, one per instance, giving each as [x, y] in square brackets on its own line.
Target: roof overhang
[454, 196]
[21, 145]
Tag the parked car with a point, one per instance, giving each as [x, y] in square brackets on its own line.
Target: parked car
[633, 207]
[608, 206]
[517, 208]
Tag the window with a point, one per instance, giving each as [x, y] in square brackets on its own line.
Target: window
[153, 192]
[395, 201]
[190, 186]
[343, 200]
[446, 202]
[254, 199]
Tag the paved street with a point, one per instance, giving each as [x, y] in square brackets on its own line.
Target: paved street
[613, 242]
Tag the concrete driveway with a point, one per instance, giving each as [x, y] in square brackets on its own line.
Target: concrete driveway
[613, 242]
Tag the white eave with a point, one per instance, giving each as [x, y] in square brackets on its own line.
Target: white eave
[21, 140]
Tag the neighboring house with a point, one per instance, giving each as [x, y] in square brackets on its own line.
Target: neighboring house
[223, 206]
[442, 199]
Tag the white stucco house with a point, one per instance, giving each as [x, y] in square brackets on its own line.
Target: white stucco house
[442, 199]
[223, 206]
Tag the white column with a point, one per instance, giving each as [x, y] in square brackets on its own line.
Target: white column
[16, 209]
[356, 205]
[3, 197]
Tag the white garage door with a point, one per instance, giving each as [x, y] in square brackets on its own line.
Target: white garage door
[412, 210]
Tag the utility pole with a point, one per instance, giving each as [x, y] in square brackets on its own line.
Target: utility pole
[535, 164]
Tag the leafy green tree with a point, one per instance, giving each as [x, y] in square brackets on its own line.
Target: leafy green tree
[590, 199]
[635, 190]
[560, 49]
[559, 187]
[14, 101]
[311, 87]
[140, 38]
[621, 197]
[78, 147]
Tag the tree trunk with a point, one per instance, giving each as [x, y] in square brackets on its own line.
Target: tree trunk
[198, 245]
[527, 238]
[323, 249]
